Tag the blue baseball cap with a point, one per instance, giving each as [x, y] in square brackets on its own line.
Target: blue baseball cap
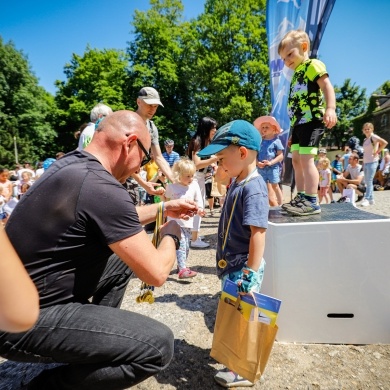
[238, 132]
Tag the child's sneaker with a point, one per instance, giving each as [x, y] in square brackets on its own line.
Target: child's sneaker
[199, 244]
[365, 203]
[343, 199]
[292, 202]
[371, 201]
[228, 379]
[186, 273]
[304, 207]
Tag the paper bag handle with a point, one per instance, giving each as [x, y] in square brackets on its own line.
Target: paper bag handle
[255, 309]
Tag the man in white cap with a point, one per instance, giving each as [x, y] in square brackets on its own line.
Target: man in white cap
[99, 112]
[148, 101]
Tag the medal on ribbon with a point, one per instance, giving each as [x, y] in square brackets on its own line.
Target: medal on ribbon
[222, 263]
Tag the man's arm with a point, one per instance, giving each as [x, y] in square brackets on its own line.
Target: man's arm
[356, 181]
[180, 208]
[346, 181]
[148, 186]
[19, 301]
[161, 162]
[153, 265]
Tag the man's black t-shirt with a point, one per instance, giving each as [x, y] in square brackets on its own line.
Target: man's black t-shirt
[62, 226]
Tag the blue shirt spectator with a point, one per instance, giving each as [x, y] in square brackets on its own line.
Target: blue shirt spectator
[336, 164]
[169, 154]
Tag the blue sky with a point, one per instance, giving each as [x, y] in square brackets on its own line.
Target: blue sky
[355, 42]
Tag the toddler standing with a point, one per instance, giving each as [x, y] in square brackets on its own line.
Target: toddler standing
[270, 157]
[325, 178]
[184, 187]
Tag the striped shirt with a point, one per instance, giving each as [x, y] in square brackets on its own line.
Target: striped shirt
[171, 157]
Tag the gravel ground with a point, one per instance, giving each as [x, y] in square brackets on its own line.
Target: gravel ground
[189, 308]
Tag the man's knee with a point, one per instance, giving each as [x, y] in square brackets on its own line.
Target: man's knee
[165, 344]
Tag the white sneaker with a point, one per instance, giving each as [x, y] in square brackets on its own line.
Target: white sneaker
[229, 379]
[372, 201]
[199, 244]
[365, 203]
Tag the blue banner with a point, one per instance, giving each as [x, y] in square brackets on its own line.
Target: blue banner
[283, 16]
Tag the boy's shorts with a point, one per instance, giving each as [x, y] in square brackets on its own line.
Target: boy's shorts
[306, 138]
[270, 174]
[234, 276]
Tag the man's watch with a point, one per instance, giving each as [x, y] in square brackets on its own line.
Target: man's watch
[175, 238]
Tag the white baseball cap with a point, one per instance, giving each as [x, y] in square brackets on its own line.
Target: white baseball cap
[150, 96]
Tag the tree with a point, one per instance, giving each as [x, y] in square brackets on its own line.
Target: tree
[25, 109]
[157, 59]
[216, 65]
[98, 76]
[231, 78]
[350, 103]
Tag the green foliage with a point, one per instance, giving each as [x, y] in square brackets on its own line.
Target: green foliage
[231, 75]
[373, 105]
[99, 76]
[350, 103]
[215, 65]
[385, 89]
[157, 59]
[25, 110]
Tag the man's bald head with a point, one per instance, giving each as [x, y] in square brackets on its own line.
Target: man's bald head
[122, 123]
[115, 143]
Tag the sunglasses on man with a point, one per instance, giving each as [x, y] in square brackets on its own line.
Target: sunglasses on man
[147, 157]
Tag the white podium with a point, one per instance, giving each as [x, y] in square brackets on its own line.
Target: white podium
[332, 273]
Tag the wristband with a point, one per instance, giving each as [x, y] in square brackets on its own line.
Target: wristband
[175, 238]
[247, 280]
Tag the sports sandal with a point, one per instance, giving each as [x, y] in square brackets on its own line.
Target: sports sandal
[186, 273]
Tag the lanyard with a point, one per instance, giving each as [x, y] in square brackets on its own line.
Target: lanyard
[225, 234]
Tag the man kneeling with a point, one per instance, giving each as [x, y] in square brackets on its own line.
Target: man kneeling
[81, 239]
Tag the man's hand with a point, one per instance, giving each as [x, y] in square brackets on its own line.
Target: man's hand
[180, 208]
[247, 280]
[151, 190]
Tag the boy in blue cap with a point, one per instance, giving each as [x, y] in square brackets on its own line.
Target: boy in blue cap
[244, 217]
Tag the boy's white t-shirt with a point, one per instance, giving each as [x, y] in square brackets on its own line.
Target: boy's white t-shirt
[179, 191]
